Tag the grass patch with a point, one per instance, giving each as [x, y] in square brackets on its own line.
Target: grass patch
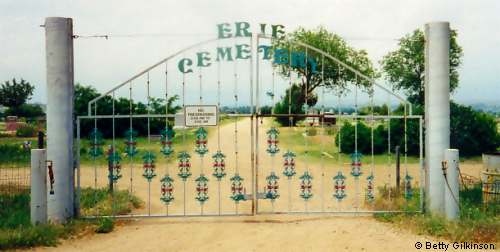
[319, 141]
[477, 223]
[101, 202]
[184, 140]
[16, 230]
[105, 225]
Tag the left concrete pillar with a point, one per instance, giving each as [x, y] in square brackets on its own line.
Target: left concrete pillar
[60, 89]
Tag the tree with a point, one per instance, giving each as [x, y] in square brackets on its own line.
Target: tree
[15, 94]
[472, 132]
[348, 138]
[284, 105]
[84, 94]
[26, 110]
[327, 72]
[405, 67]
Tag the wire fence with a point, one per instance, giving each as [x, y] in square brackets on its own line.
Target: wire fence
[14, 178]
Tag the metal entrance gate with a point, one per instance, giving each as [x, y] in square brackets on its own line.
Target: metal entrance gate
[257, 159]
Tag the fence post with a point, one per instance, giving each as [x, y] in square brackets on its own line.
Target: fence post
[437, 109]
[38, 203]
[60, 89]
[40, 139]
[452, 186]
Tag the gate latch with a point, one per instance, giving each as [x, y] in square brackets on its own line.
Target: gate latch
[51, 176]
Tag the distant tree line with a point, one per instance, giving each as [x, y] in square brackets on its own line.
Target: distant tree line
[123, 106]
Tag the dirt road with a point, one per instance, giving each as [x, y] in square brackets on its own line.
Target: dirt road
[261, 233]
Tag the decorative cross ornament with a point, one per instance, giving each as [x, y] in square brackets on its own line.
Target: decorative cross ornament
[149, 159]
[370, 194]
[408, 190]
[339, 186]
[306, 186]
[167, 135]
[219, 165]
[114, 159]
[96, 143]
[289, 164]
[201, 141]
[131, 142]
[201, 189]
[272, 187]
[237, 190]
[167, 189]
[184, 165]
[272, 141]
[356, 164]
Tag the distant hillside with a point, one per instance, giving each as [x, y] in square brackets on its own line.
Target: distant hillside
[485, 107]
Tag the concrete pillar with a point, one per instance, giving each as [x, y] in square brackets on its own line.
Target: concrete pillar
[60, 89]
[38, 204]
[437, 110]
[451, 190]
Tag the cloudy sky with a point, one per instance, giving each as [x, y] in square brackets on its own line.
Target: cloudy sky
[147, 31]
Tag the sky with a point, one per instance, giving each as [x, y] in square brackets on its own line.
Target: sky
[144, 32]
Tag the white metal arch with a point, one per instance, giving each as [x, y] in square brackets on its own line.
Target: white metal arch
[321, 52]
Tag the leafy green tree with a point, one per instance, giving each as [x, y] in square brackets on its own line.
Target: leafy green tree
[26, 110]
[283, 106]
[83, 94]
[377, 110]
[405, 67]
[123, 106]
[348, 138]
[324, 72]
[472, 132]
[14, 94]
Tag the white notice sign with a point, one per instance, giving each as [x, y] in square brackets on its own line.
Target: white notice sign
[201, 115]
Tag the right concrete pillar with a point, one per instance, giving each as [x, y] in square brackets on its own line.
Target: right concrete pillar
[437, 110]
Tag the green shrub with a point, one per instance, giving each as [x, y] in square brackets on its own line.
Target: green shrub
[26, 110]
[11, 153]
[105, 225]
[472, 132]
[477, 222]
[347, 137]
[46, 235]
[101, 201]
[26, 131]
[17, 213]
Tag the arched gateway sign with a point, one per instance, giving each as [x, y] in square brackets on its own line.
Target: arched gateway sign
[241, 142]
[280, 56]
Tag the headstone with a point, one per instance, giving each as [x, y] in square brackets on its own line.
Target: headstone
[11, 123]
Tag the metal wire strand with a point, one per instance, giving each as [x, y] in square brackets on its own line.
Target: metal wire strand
[236, 154]
[131, 164]
[322, 131]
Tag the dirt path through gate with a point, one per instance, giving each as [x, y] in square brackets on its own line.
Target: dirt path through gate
[260, 233]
